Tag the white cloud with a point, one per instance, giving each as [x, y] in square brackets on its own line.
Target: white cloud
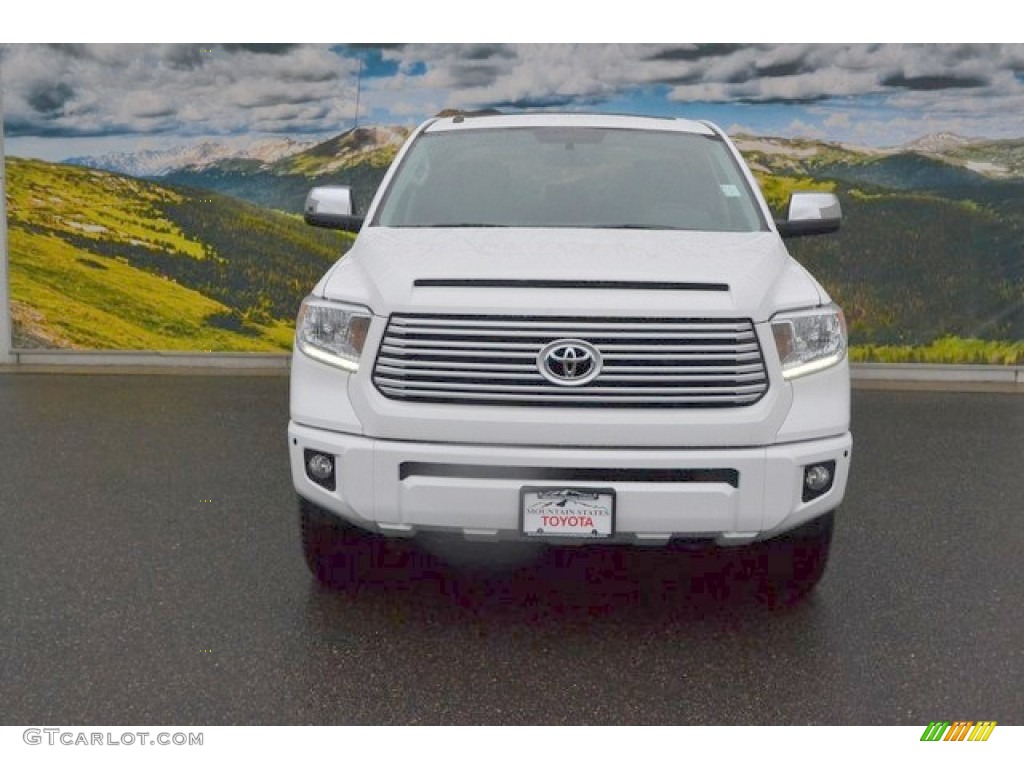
[837, 120]
[185, 89]
[800, 129]
[192, 90]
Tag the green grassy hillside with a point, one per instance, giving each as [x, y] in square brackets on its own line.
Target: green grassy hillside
[103, 261]
[910, 269]
[929, 264]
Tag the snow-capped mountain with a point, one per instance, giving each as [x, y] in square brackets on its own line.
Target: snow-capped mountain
[936, 142]
[160, 162]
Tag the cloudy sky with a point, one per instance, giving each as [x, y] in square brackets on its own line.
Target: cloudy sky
[67, 100]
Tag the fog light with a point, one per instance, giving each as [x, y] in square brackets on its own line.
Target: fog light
[818, 479]
[320, 468]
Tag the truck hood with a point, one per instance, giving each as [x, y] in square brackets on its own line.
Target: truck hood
[583, 272]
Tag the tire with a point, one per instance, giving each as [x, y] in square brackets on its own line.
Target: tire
[344, 557]
[790, 566]
[337, 554]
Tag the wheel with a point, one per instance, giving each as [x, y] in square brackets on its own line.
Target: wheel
[337, 554]
[344, 557]
[328, 547]
[790, 566]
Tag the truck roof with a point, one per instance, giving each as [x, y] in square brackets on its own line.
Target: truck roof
[568, 120]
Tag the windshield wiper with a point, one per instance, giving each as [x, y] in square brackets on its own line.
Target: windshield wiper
[633, 226]
[466, 225]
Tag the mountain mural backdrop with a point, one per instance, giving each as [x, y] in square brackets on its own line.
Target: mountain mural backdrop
[211, 253]
[154, 191]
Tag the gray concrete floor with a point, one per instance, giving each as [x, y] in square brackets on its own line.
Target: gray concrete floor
[150, 572]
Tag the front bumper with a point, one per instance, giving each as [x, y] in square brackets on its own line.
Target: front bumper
[729, 495]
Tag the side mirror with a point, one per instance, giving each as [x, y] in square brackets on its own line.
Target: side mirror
[331, 208]
[811, 213]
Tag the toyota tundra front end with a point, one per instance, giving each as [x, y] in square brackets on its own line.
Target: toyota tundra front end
[570, 329]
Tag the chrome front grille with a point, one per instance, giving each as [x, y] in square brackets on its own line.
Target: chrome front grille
[493, 360]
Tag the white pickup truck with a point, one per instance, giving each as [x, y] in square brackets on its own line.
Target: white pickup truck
[571, 329]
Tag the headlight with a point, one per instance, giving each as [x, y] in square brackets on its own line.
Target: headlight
[809, 341]
[332, 333]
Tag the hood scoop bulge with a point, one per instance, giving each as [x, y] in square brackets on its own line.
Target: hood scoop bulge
[615, 285]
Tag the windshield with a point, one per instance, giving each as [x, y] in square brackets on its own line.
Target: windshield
[570, 177]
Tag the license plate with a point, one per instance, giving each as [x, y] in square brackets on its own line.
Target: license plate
[577, 512]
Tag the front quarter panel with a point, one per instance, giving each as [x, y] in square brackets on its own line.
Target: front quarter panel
[319, 396]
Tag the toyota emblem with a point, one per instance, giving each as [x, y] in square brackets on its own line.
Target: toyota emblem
[569, 362]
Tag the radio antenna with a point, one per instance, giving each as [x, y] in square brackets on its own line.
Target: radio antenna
[359, 88]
